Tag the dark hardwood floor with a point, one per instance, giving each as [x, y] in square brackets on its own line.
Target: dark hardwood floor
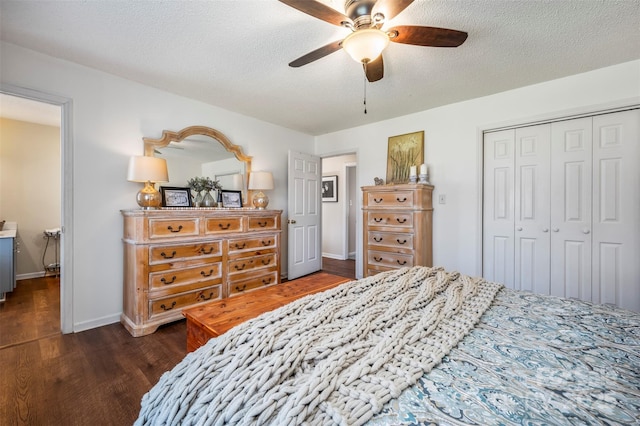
[94, 377]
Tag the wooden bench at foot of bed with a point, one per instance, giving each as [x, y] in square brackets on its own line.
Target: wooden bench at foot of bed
[215, 318]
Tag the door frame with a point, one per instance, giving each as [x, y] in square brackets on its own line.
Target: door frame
[348, 195]
[570, 114]
[66, 213]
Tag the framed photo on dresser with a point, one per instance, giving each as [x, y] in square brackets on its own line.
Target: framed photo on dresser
[173, 196]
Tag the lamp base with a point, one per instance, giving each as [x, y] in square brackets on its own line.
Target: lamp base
[260, 200]
[149, 198]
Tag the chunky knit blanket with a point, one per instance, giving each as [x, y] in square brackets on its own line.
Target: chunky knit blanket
[331, 358]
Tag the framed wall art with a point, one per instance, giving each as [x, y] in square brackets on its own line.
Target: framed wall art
[231, 198]
[329, 188]
[403, 152]
[173, 196]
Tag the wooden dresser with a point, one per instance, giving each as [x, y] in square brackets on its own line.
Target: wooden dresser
[179, 258]
[397, 223]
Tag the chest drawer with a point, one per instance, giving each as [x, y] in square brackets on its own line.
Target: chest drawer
[389, 259]
[390, 239]
[223, 225]
[396, 199]
[263, 223]
[396, 219]
[168, 253]
[173, 228]
[170, 304]
[242, 286]
[252, 263]
[211, 272]
[237, 245]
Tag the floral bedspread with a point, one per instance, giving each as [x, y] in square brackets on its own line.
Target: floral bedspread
[532, 360]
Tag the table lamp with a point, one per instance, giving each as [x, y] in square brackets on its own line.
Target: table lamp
[260, 181]
[149, 170]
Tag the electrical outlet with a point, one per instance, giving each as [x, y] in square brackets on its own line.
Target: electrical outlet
[442, 199]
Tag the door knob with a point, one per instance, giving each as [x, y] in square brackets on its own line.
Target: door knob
[555, 229]
[291, 221]
[585, 231]
[545, 229]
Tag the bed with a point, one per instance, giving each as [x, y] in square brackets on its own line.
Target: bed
[413, 346]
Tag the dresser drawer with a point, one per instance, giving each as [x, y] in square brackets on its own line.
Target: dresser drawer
[390, 239]
[173, 228]
[223, 225]
[251, 263]
[402, 220]
[389, 259]
[242, 286]
[395, 199]
[171, 304]
[172, 253]
[263, 223]
[251, 243]
[182, 276]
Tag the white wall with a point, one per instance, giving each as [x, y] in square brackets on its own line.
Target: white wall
[110, 117]
[452, 148]
[333, 213]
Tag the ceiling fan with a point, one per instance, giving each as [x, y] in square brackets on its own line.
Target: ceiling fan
[365, 18]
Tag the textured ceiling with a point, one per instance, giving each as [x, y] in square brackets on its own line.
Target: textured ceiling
[234, 53]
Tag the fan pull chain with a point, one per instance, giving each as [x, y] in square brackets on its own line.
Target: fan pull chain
[365, 89]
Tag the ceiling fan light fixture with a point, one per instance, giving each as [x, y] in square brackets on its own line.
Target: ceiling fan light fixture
[365, 45]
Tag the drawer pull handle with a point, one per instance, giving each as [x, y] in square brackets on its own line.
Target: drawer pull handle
[266, 243]
[401, 201]
[204, 251]
[377, 240]
[241, 289]
[164, 281]
[377, 259]
[401, 242]
[173, 254]
[239, 268]
[262, 224]
[240, 247]
[203, 297]
[404, 262]
[268, 261]
[404, 219]
[170, 228]
[378, 219]
[266, 281]
[204, 274]
[168, 308]
[224, 227]
[378, 200]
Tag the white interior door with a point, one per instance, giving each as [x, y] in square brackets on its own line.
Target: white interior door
[616, 209]
[305, 176]
[532, 185]
[571, 176]
[498, 230]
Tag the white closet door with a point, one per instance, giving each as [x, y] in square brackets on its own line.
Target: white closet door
[498, 246]
[571, 175]
[532, 186]
[616, 209]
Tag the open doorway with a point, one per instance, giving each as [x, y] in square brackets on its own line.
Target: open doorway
[339, 215]
[35, 192]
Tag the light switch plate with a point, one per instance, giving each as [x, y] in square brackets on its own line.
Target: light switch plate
[442, 199]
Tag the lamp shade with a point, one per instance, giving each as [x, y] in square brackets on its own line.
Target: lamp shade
[147, 169]
[366, 45]
[236, 182]
[260, 181]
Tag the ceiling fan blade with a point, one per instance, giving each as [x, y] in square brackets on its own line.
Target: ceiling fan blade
[390, 8]
[426, 36]
[316, 54]
[318, 10]
[374, 70]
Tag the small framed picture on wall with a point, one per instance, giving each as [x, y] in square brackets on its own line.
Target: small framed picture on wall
[330, 188]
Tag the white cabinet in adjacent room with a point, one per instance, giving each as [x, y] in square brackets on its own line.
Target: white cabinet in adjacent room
[561, 208]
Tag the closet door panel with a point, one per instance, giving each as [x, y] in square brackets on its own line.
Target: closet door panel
[498, 242]
[571, 171]
[532, 186]
[616, 209]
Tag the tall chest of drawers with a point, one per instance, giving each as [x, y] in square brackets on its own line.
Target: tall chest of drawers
[178, 258]
[397, 223]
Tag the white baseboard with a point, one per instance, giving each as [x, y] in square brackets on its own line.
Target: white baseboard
[30, 275]
[333, 256]
[95, 323]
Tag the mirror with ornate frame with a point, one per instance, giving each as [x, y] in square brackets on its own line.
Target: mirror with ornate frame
[193, 151]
